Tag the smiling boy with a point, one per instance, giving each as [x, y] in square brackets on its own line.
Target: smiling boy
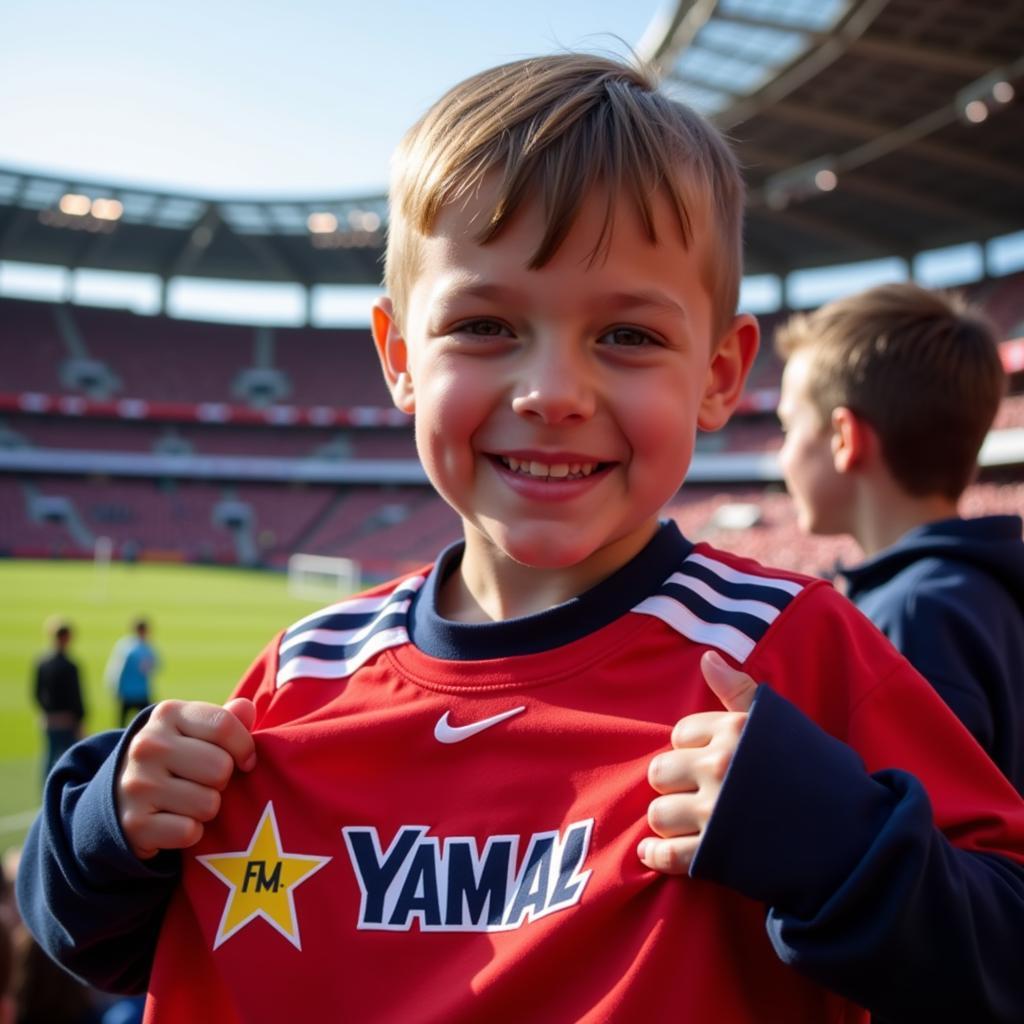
[556, 409]
[443, 807]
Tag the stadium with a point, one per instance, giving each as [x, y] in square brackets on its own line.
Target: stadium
[152, 461]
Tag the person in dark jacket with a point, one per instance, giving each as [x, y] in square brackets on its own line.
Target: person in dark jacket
[886, 399]
[58, 693]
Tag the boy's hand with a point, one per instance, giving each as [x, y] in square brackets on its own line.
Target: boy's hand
[175, 768]
[689, 777]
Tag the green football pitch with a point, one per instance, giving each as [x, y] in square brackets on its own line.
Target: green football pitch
[208, 624]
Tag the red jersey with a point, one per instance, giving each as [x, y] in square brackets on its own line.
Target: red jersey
[443, 821]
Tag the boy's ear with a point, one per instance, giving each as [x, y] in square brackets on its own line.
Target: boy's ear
[727, 373]
[854, 440]
[393, 354]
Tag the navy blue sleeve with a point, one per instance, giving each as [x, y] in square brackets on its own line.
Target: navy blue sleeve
[864, 894]
[90, 902]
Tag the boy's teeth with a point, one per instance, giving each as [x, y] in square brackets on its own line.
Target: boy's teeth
[558, 470]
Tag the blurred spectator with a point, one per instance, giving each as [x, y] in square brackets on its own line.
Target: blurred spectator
[6, 969]
[34, 989]
[43, 992]
[58, 692]
[7, 920]
[9, 915]
[132, 663]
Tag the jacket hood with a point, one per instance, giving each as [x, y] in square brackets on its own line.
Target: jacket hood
[991, 543]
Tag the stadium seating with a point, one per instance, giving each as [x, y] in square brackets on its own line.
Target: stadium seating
[776, 538]
[387, 528]
[94, 434]
[330, 367]
[160, 358]
[31, 349]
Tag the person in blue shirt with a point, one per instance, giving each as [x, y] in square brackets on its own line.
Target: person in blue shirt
[130, 669]
[886, 399]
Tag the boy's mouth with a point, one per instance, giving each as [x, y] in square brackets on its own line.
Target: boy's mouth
[549, 471]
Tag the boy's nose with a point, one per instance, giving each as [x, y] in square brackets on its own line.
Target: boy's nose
[555, 390]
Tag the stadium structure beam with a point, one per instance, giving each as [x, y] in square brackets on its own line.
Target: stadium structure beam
[753, 21]
[827, 49]
[881, 139]
[868, 245]
[671, 31]
[94, 246]
[16, 225]
[934, 58]
[271, 256]
[184, 257]
[270, 253]
[908, 197]
[772, 160]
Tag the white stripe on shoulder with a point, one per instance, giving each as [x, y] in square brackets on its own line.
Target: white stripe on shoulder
[759, 609]
[715, 634]
[317, 647]
[342, 637]
[316, 668]
[735, 576]
[362, 605]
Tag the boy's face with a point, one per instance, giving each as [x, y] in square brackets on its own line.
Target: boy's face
[821, 494]
[556, 408]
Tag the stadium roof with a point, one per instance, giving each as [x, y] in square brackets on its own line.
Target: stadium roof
[867, 128]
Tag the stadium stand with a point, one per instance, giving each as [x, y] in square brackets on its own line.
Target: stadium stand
[76, 433]
[154, 357]
[31, 348]
[774, 537]
[387, 528]
[355, 378]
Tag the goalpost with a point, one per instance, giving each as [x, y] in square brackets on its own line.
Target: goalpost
[322, 578]
[102, 553]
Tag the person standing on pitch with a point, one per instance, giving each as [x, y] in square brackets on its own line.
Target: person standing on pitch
[58, 694]
[130, 669]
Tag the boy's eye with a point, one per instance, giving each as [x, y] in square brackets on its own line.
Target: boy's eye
[627, 337]
[483, 328]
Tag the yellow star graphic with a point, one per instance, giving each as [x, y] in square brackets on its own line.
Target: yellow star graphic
[262, 880]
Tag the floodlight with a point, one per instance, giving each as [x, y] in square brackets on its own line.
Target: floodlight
[976, 111]
[74, 205]
[107, 209]
[985, 95]
[826, 180]
[1003, 92]
[800, 182]
[322, 223]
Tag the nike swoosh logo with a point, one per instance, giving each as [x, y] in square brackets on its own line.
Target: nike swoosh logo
[445, 733]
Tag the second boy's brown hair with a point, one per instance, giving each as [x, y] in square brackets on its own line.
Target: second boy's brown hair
[921, 367]
[553, 128]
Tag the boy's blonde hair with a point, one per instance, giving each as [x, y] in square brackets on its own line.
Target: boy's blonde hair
[552, 128]
[921, 367]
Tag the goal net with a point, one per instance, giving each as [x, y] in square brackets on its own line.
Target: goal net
[321, 578]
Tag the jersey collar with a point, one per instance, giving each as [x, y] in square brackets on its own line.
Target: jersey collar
[595, 608]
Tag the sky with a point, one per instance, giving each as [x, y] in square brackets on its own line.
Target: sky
[287, 98]
[262, 97]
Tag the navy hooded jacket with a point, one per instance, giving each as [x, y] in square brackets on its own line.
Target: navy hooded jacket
[950, 597]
